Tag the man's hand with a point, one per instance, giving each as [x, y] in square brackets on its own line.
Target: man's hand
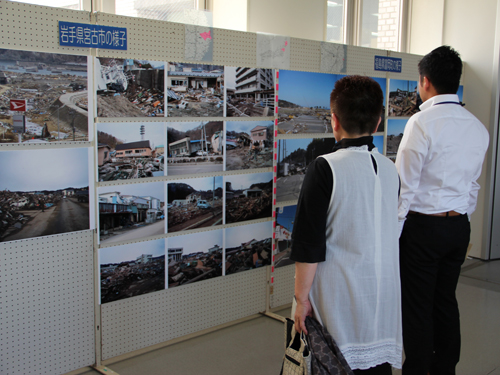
[303, 309]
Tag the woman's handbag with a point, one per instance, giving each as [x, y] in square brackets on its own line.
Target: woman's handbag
[297, 359]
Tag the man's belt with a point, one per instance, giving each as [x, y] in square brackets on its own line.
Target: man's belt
[439, 214]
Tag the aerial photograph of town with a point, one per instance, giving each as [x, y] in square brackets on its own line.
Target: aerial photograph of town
[194, 203]
[130, 87]
[395, 130]
[130, 150]
[195, 90]
[195, 147]
[194, 257]
[249, 92]
[43, 192]
[249, 144]
[54, 87]
[129, 212]
[285, 217]
[248, 247]
[403, 98]
[131, 270]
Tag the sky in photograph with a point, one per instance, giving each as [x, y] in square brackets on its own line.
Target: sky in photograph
[153, 189]
[402, 85]
[378, 141]
[235, 236]
[130, 132]
[383, 85]
[196, 242]
[286, 218]
[245, 126]
[305, 88]
[230, 77]
[204, 183]
[185, 126]
[117, 254]
[244, 181]
[50, 169]
[396, 127]
[292, 145]
[460, 93]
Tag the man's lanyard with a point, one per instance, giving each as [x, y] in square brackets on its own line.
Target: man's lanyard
[458, 103]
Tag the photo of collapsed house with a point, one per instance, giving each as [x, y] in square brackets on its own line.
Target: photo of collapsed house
[43, 192]
[195, 147]
[129, 212]
[55, 89]
[194, 257]
[285, 217]
[403, 98]
[249, 92]
[195, 90]
[395, 130]
[304, 102]
[194, 203]
[132, 270]
[249, 144]
[249, 196]
[129, 87]
[130, 150]
[294, 156]
[248, 247]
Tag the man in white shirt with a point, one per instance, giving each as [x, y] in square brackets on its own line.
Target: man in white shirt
[439, 161]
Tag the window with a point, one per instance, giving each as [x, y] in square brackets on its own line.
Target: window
[335, 21]
[67, 4]
[379, 22]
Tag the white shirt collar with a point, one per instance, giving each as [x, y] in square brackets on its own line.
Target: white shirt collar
[439, 99]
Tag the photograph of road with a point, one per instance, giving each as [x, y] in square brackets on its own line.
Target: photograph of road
[132, 270]
[195, 147]
[249, 196]
[195, 90]
[130, 87]
[403, 98]
[285, 217]
[304, 102]
[130, 150]
[249, 144]
[43, 192]
[129, 212]
[249, 92]
[55, 89]
[395, 130]
[194, 203]
[194, 257]
[248, 247]
[294, 156]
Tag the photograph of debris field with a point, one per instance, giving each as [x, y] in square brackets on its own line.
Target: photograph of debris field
[403, 98]
[55, 89]
[43, 192]
[285, 217]
[395, 130]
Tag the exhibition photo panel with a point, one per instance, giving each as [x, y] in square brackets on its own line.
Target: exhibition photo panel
[383, 85]
[49, 90]
[403, 98]
[395, 131]
[285, 217]
[378, 141]
[43, 192]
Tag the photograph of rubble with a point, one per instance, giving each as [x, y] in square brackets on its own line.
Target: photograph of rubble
[132, 270]
[194, 203]
[195, 90]
[194, 257]
[43, 192]
[248, 247]
[55, 89]
[130, 87]
[249, 196]
[304, 102]
[129, 212]
[249, 92]
[294, 156]
[395, 130]
[403, 98]
[130, 150]
[195, 147]
[249, 144]
[285, 216]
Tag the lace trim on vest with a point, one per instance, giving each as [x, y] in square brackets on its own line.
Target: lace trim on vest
[355, 148]
[364, 357]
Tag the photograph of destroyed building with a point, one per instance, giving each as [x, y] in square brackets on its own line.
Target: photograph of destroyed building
[129, 87]
[194, 257]
[194, 203]
[195, 147]
[195, 90]
[403, 98]
[43, 192]
[249, 92]
[285, 217]
[130, 150]
[55, 89]
[294, 156]
[128, 212]
[395, 130]
[248, 247]
[249, 196]
[132, 270]
[249, 144]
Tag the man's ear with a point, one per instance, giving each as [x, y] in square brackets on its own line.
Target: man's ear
[335, 122]
[426, 84]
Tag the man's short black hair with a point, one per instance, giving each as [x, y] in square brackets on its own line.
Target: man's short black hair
[357, 102]
[443, 68]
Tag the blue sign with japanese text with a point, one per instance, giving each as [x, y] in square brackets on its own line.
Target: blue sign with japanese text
[92, 36]
[388, 64]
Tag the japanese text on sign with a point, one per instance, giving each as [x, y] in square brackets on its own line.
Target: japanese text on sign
[388, 64]
[92, 36]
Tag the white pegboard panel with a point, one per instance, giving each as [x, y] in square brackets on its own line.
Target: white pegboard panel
[284, 279]
[35, 28]
[305, 55]
[235, 48]
[361, 61]
[409, 69]
[143, 321]
[47, 309]
[43, 146]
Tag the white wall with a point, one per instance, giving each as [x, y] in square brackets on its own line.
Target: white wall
[230, 14]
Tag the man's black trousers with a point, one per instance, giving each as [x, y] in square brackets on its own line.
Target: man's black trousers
[432, 250]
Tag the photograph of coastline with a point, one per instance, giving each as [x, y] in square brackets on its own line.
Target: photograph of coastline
[285, 217]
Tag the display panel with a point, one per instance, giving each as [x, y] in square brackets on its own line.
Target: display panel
[402, 98]
[285, 217]
[395, 131]
[383, 85]
[378, 141]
